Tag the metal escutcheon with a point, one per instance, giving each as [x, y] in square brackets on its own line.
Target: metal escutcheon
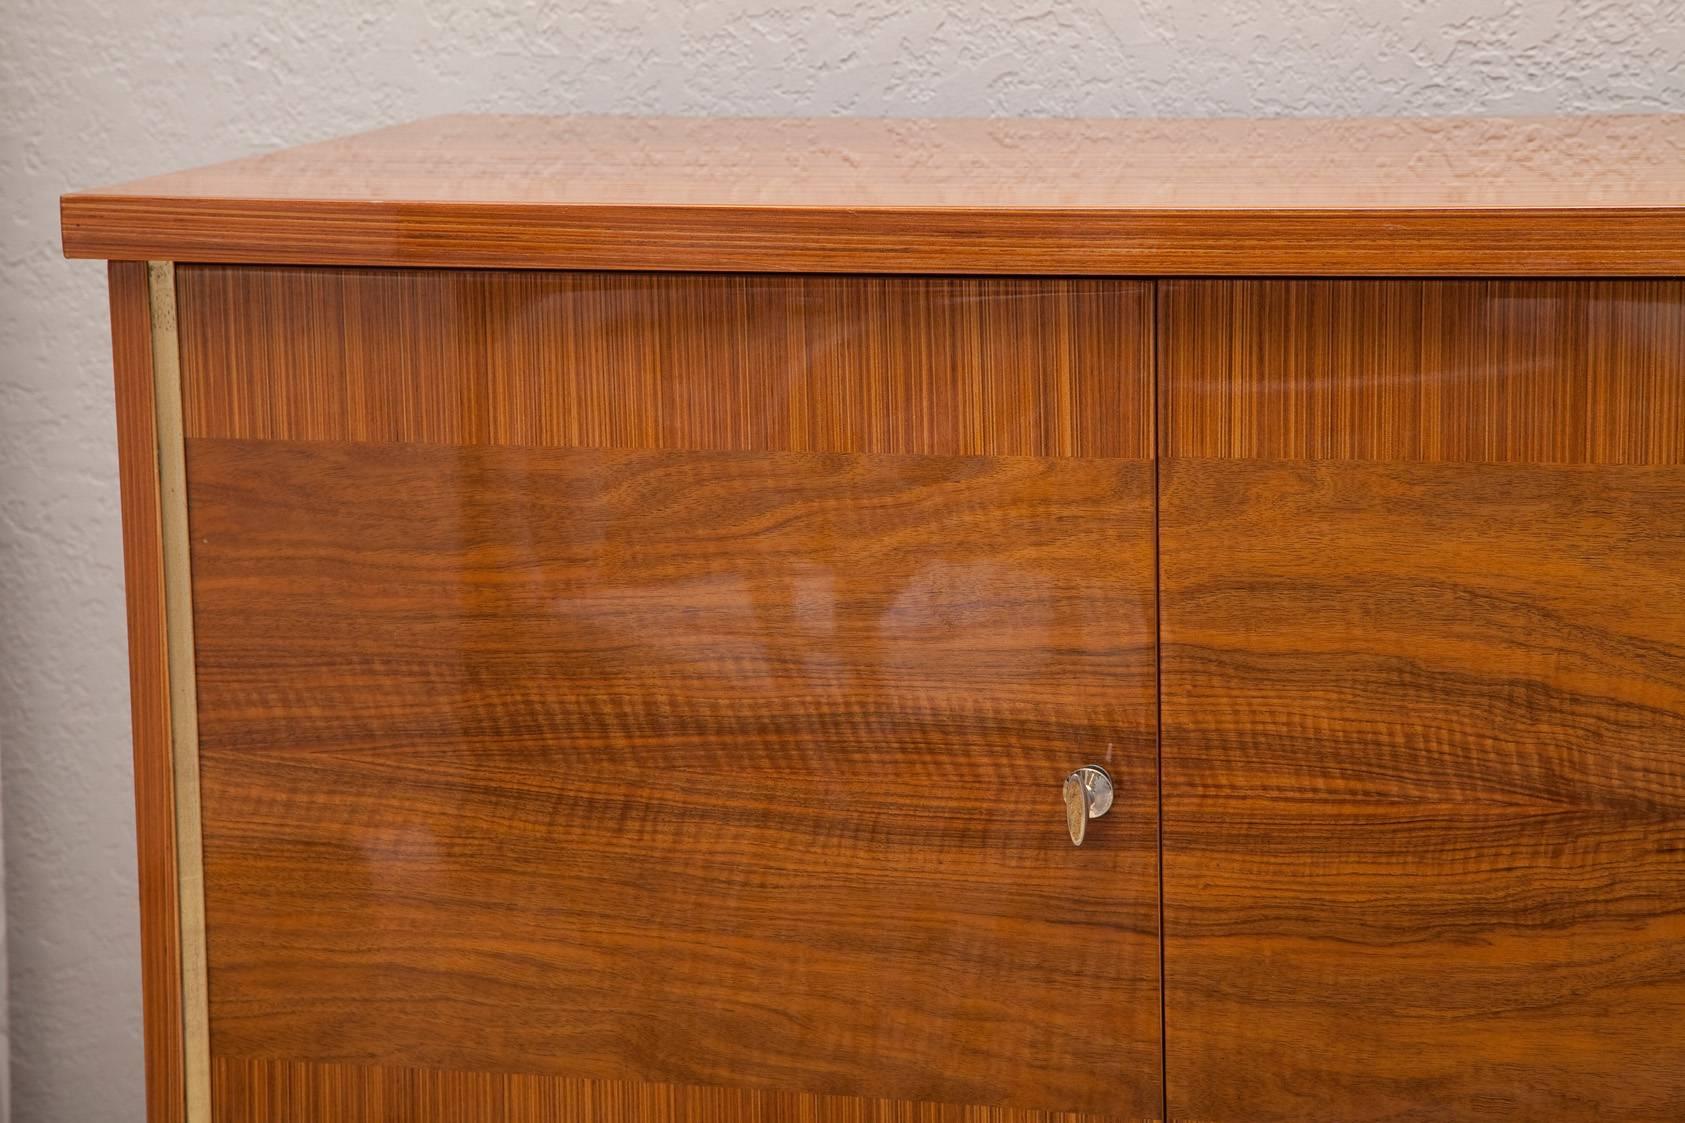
[1088, 795]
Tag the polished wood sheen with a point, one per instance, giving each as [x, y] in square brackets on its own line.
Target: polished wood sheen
[650, 577]
[1497, 371]
[951, 366]
[735, 769]
[1423, 702]
[1563, 196]
[149, 693]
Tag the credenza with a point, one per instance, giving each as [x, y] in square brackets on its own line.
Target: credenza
[845, 621]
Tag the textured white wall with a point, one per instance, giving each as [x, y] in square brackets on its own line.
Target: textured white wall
[94, 91]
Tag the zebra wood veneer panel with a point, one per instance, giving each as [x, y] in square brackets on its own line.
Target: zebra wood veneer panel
[1506, 371]
[1423, 720]
[697, 768]
[279, 1092]
[941, 365]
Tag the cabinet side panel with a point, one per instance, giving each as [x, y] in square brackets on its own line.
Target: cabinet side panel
[149, 698]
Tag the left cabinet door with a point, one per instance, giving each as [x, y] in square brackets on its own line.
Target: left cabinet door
[635, 698]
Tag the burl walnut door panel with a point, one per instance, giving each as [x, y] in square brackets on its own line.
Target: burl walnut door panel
[1423, 635]
[647, 698]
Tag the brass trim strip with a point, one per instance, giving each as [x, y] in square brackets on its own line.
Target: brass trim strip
[184, 712]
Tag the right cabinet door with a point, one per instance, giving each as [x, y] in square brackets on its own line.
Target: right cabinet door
[1423, 636]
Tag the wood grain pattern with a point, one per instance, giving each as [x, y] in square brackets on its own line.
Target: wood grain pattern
[258, 1091]
[149, 696]
[1424, 776]
[1564, 196]
[1423, 630]
[698, 768]
[1510, 371]
[806, 364]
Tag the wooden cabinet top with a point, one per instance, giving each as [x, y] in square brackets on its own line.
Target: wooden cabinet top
[1562, 196]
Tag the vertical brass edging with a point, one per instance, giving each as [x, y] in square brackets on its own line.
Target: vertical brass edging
[184, 710]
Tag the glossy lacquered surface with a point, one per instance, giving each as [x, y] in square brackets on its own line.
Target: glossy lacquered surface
[925, 365]
[1422, 558]
[1492, 371]
[696, 775]
[1573, 195]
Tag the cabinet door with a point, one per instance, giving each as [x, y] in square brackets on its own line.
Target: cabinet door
[635, 698]
[1423, 628]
